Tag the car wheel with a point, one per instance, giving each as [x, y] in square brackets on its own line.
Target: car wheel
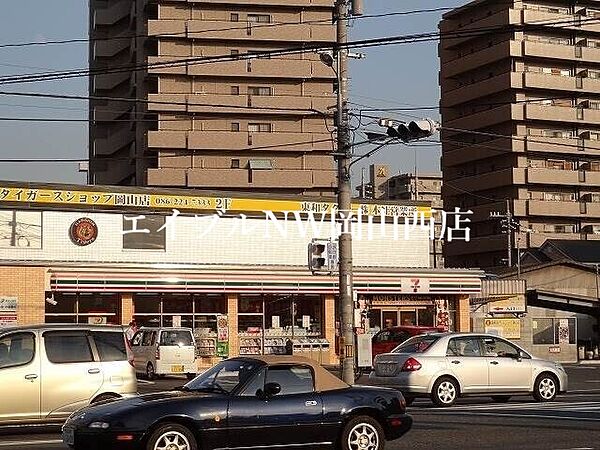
[150, 374]
[171, 436]
[363, 433]
[445, 392]
[545, 388]
[501, 398]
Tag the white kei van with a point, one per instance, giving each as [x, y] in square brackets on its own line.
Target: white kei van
[164, 351]
[49, 371]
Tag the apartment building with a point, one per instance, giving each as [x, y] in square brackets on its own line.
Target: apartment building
[520, 103]
[382, 185]
[165, 112]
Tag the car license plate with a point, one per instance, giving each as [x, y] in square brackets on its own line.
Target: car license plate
[386, 369]
[68, 436]
[178, 368]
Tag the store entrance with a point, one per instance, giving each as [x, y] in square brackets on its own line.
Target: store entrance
[386, 318]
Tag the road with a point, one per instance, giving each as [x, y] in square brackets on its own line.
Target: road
[570, 423]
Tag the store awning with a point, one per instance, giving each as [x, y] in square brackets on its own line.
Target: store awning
[563, 302]
[120, 280]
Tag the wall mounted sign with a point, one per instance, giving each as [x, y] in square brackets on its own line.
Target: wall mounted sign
[506, 328]
[8, 304]
[83, 231]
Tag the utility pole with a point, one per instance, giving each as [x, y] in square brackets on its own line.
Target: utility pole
[343, 154]
[509, 224]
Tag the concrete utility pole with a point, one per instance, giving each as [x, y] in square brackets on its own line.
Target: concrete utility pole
[509, 224]
[346, 297]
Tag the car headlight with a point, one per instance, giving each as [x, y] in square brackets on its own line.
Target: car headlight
[99, 425]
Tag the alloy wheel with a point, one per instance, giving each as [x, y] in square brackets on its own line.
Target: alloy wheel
[547, 388]
[172, 440]
[363, 436]
[446, 392]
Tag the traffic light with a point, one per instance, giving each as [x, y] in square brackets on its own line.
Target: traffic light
[417, 129]
[322, 256]
[317, 258]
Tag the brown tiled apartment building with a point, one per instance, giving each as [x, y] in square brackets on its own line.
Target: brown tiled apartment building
[258, 125]
[531, 71]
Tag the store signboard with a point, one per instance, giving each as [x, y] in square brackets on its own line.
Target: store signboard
[7, 320]
[176, 321]
[222, 328]
[415, 285]
[563, 331]
[223, 349]
[8, 304]
[506, 328]
[32, 196]
[507, 303]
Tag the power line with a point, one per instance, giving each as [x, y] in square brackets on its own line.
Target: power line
[232, 28]
[366, 43]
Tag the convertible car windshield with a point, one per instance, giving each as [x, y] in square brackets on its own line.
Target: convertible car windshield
[224, 377]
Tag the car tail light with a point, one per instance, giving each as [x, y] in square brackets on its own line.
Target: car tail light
[157, 353]
[410, 365]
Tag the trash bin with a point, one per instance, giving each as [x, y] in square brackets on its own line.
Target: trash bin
[581, 352]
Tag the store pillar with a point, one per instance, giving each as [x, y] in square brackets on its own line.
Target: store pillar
[232, 317]
[330, 327]
[463, 314]
[127, 309]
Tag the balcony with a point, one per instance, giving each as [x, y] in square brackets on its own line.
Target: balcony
[489, 180]
[240, 141]
[293, 142]
[240, 104]
[254, 68]
[483, 244]
[288, 3]
[114, 142]
[487, 118]
[552, 176]
[480, 58]
[113, 13]
[549, 208]
[457, 154]
[467, 93]
[552, 145]
[538, 18]
[110, 81]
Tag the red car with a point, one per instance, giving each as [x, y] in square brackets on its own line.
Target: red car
[386, 340]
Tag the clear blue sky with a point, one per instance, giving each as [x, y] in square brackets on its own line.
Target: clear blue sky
[390, 76]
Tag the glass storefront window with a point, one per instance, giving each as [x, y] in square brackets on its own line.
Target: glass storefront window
[250, 304]
[425, 317]
[177, 304]
[90, 308]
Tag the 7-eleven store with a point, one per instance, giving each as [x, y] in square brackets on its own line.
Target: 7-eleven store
[241, 293]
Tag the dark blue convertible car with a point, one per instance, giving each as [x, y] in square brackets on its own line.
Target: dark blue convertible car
[247, 402]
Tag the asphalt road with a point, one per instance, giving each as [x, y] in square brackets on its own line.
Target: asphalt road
[570, 423]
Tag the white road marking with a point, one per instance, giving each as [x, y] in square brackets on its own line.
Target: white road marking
[146, 382]
[529, 416]
[18, 443]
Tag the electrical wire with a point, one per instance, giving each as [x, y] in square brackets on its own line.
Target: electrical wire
[242, 27]
[365, 43]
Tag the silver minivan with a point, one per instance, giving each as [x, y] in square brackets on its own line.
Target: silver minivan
[49, 371]
[164, 351]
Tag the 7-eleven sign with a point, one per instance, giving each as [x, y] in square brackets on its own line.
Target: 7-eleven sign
[415, 285]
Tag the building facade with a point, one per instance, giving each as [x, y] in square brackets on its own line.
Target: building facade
[186, 94]
[407, 186]
[232, 268]
[520, 96]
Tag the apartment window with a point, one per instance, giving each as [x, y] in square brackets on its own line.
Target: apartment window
[259, 18]
[234, 17]
[559, 196]
[561, 134]
[235, 163]
[559, 228]
[260, 90]
[593, 74]
[235, 90]
[560, 164]
[235, 126]
[554, 331]
[260, 128]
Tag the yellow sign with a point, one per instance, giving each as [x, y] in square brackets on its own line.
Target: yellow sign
[508, 303]
[33, 196]
[506, 328]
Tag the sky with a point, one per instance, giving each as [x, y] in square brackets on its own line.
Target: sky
[389, 77]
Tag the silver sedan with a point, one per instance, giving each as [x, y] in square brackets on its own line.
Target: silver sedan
[446, 366]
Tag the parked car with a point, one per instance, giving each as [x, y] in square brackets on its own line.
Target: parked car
[446, 366]
[164, 351]
[49, 371]
[247, 402]
[389, 338]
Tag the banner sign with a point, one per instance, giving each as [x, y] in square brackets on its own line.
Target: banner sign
[33, 196]
[8, 304]
[506, 328]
